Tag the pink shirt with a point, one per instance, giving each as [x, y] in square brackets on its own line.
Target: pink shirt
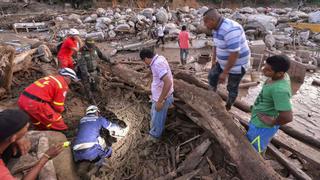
[159, 67]
[4, 172]
[184, 40]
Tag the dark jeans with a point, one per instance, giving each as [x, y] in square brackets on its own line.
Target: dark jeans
[233, 82]
[160, 38]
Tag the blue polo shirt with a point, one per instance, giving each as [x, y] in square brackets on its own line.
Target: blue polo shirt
[230, 37]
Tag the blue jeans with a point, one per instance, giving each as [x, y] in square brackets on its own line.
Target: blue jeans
[233, 82]
[184, 55]
[260, 137]
[158, 119]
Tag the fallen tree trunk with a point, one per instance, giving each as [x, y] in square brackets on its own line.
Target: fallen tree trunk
[282, 139]
[249, 163]
[192, 80]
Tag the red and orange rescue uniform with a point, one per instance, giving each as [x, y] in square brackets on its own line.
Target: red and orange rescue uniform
[46, 106]
[66, 52]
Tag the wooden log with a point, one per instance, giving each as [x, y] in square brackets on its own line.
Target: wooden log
[248, 84]
[192, 80]
[301, 149]
[194, 158]
[225, 130]
[296, 171]
[250, 164]
[7, 54]
[316, 82]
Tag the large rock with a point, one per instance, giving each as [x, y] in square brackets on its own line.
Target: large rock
[123, 28]
[101, 12]
[238, 17]
[99, 36]
[270, 41]
[104, 20]
[280, 11]
[100, 26]
[304, 36]
[298, 14]
[247, 10]
[202, 10]
[109, 12]
[314, 17]
[285, 39]
[263, 22]
[117, 15]
[316, 37]
[112, 34]
[162, 16]
[148, 12]
[91, 18]
[261, 9]
[185, 9]
[74, 17]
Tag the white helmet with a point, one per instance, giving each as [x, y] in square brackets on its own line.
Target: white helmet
[92, 109]
[74, 32]
[69, 72]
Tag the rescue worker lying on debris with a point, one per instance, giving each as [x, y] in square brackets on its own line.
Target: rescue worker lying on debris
[87, 66]
[161, 90]
[14, 125]
[69, 46]
[88, 144]
[272, 107]
[44, 100]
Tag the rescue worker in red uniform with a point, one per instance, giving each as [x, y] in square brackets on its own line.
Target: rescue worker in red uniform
[44, 100]
[69, 46]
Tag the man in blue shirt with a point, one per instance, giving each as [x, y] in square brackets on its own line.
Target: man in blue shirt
[230, 51]
[88, 144]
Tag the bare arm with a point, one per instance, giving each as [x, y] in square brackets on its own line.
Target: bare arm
[50, 153]
[231, 61]
[284, 118]
[213, 58]
[167, 83]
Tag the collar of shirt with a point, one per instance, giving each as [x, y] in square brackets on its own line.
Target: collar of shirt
[154, 59]
[219, 24]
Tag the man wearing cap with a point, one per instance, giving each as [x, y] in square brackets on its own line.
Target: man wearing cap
[88, 144]
[44, 100]
[87, 66]
[14, 125]
[69, 46]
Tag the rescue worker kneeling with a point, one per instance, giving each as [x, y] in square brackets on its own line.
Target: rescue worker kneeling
[88, 144]
[44, 99]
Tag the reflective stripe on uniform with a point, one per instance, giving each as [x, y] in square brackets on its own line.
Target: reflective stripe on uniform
[49, 125]
[59, 83]
[36, 123]
[37, 83]
[58, 103]
[257, 139]
[58, 119]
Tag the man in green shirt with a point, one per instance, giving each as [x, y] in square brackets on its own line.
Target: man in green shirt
[272, 107]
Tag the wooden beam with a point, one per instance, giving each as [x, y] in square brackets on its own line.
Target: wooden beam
[299, 148]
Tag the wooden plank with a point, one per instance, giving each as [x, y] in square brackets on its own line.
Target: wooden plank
[296, 171]
[301, 149]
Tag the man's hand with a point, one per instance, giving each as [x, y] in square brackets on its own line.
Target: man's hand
[223, 77]
[55, 150]
[266, 119]
[24, 145]
[159, 106]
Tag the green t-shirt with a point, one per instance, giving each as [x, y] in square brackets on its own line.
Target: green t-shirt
[273, 98]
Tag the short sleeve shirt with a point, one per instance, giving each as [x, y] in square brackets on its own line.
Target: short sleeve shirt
[4, 172]
[159, 67]
[273, 98]
[230, 37]
[184, 40]
[66, 51]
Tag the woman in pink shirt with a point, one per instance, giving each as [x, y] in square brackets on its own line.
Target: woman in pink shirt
[184, 44]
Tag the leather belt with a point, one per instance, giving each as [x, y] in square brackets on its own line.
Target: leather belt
[33, 97]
